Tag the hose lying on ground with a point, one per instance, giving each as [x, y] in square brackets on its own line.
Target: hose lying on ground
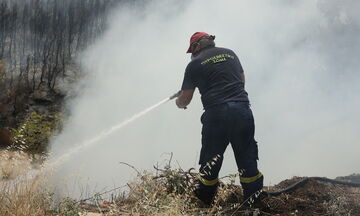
[305, 180]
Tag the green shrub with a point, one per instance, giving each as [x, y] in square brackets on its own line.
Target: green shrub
[69, 207]
[33, 134]
[2, 70]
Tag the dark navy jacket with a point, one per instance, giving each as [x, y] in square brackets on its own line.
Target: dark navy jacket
[216, 72]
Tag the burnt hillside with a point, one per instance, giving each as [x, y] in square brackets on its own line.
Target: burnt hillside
[39, 41]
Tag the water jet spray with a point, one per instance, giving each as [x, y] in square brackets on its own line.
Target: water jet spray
[58, 161]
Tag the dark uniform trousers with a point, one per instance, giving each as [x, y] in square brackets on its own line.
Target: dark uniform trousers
[230, 122]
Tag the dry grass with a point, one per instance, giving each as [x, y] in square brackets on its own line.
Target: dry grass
[19, 195]
[14, 163]
[23, 198]
[23, 190]
[169, 193]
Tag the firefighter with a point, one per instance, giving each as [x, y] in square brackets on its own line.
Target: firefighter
[227, 118]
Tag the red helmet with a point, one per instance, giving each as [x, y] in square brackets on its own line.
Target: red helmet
[196, 37]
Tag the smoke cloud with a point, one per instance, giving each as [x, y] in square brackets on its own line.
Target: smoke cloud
[301, 65]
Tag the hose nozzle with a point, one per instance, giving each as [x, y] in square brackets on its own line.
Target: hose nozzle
[177, 94]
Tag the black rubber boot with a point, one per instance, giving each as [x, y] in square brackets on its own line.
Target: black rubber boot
[253, 191]
[206, 193]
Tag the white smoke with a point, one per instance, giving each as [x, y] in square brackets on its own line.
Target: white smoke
[300, 61]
